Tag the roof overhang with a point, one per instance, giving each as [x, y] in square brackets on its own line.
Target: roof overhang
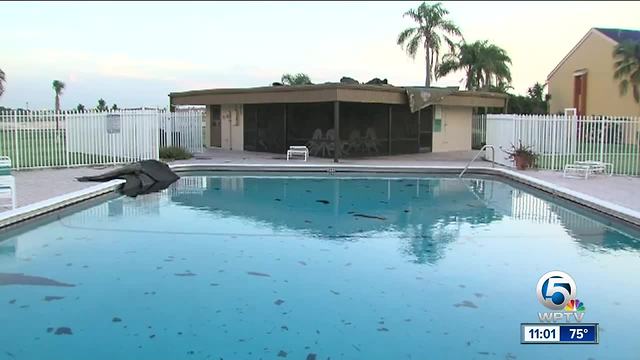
[326, 93]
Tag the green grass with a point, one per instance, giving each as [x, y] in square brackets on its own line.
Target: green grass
[40, 148]
[624, 157]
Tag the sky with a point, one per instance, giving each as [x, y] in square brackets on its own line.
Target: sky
[135, 54]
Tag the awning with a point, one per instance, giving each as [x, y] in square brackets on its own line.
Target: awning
[421, 97]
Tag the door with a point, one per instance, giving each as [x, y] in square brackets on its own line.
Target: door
[216, 127]
[580, 93]
[426, 129]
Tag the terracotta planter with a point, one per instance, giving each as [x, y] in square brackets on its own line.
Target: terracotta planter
[522, 162]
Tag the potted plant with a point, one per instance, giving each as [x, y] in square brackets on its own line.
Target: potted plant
[523, 156]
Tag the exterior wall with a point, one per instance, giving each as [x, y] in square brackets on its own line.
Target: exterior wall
[232, 127]
[455, 132]
[603, 97]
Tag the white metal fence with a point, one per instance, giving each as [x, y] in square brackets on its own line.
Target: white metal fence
[43, 139]
[182, 129]
[561, 140]
[478, 131]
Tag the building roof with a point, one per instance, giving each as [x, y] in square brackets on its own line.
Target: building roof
[613, 35]
[621, 35]
[328, 92]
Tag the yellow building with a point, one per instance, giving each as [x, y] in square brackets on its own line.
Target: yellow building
[584, 78]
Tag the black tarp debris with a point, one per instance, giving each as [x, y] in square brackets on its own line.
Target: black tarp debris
[142, 177]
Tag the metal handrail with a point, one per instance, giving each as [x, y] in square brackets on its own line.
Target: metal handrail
[493, 158]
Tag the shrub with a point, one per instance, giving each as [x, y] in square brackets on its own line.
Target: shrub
[174, 153]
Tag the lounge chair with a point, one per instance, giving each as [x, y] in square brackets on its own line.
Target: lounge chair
[582, 169]
[297, 150]
[7, 181]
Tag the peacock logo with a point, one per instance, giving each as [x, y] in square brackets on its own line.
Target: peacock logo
[574, 305]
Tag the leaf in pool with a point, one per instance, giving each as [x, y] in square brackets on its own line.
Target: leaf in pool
[323, 201]
[311, 357]
[51, 298]
[282, 354]
[370, 216]
[258, 274]
[383, 329]
[63, 331]
[22, 279]
[334, 292]
[466, 303]
[187, 273]
[116, 319]
[279, 302]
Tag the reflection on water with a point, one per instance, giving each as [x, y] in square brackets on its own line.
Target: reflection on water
[427, 212]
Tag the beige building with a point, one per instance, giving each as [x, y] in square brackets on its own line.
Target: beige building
[339, 120]
[584, 78]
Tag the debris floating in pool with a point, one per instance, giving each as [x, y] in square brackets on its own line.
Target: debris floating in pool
[22, 279]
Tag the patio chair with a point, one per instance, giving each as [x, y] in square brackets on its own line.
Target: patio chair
[354, 144]
[316, 144]
[7, 181]
[371, 140]
[330, 144]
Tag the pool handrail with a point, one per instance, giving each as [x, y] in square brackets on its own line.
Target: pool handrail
[493, 158]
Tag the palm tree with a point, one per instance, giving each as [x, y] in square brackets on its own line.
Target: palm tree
[80, 108]
[102, 105]
[495, 66]
[466, 58]
[296, 79]
[486, 66]
[627, 67]
[431, 29]
[58, 86]
[3, 80]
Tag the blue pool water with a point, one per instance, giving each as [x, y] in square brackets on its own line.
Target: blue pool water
[249, 267]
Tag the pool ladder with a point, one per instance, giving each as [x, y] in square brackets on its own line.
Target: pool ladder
[493, 158]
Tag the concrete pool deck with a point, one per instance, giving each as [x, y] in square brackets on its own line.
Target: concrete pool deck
[38, 185]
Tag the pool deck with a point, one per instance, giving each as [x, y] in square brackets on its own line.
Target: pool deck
[38, 185]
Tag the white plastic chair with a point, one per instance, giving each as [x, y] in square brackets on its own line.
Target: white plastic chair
[7, 181]
[297, 150]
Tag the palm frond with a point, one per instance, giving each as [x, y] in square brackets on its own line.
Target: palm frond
[405, 34]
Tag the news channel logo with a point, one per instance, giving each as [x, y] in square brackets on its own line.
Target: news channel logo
[556, 290]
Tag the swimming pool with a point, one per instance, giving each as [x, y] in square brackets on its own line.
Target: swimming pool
[250, 266]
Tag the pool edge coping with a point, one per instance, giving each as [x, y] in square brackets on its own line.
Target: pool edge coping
[602, 206]
[30, 211]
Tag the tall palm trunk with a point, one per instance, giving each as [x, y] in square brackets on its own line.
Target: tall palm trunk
[427, 58]
[57, 111]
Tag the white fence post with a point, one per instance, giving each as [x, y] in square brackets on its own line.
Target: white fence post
[602, 130]
[554, 139]
[15, 138]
